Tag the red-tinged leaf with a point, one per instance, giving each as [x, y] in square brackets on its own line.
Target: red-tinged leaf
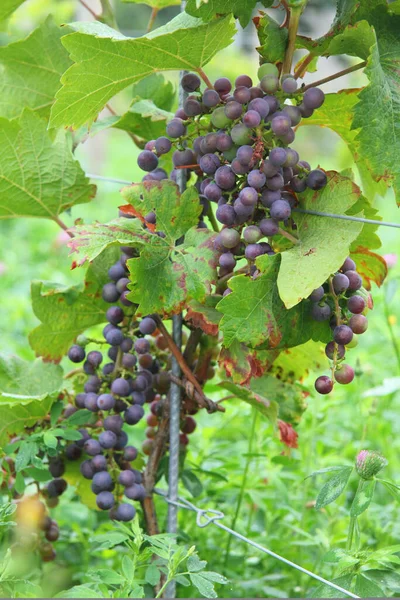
[204, 316]
[91, 240]
[287, 434]
[371, 266]
[241, 363]
[128, 209]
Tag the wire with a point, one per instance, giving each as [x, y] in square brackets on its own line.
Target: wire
[316, 213]
[209, 516]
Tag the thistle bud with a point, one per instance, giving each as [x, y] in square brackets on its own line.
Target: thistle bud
[368, 464]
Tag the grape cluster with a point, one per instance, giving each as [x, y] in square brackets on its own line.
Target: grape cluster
[341, 301]
[237, 143]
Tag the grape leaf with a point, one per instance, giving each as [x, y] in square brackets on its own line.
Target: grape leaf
[255, 314]
[241, 9]
[91, 240]
[273, 39]
[310, 262]
[241, 362]
[371, 266]
[31, 71]
[178, 273]
[265, 405]
[204, 316]
[66, 312]
[144, 119]
[106, 65]
[293, 364]
[154, 87]
[290, 397]
[39, 176]
[159, 4]
[7, 7]
[27, 391]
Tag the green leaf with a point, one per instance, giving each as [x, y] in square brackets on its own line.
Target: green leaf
[333, 487]
[107, 63]
[39, 176]
[128, 567]
[7, 7]
[363, 498]
[326, 591]
[194, 564]
[293, 364]
[266, 406]
[213, 576]
[154, 87]
[80, 591]
[255, 314]
[20, 413]
[31, 70]
[83, 486]
[152, 575]
[273, 40]
[107, 576]
[241, 9]
[365, 588]
[67, 312]
[155, 3]
[50, 439]
[371, 266]
[204, 586]
[26, 380]
[392, 488]
[91, 240]
[310, 262]
[105, 541]
[26, 452]
[178, 273]
[325, 470]
[191, 482]
[288, 396]
[145, 120]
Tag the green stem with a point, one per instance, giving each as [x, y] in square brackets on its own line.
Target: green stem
[353, 520]
[294, 19]
[244, 483]
[212, 219]
[391, 331]
[107, 15]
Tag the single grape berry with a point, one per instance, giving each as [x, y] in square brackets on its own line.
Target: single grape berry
[107, 439]
[313, 98]
[261, 106]
[289, 84]
[230, 237]
[342, 334]
[142, 346]
[76, 354]
[251, 118]
[133, 414]
[176, 128]
[245, 155]
[269, 227]
[277, 156]
[162, 145]
[92, 447]
[243, 80]
[348, 265]
[222, 86]
[91, 402]
[316, 179]
[356, 304]
[147, 326]
[120, 387]
[113, 423]
[317, 294]
[330, 349]
[190, 82]
[210, 98]
[125, 512]
[110, 293]
[114, 336]
[130, 453]
[126, 478]
[358, 324]
[340, 283]
[102, 482]
[56, 466]
[355, 281]
[147, 160]
[323, 384]
[344, 374]
[56, 487]
[105, 500]
[280, 210]
[321, 312]
[135, 492]
[94, 358]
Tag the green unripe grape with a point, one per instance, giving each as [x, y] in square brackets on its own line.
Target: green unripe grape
[82, 340]
[219, 118]
[230, 237]
[241, 134]
[269, 84]
[353, 343]
[267, 69]
[252, 234]
[231, 153]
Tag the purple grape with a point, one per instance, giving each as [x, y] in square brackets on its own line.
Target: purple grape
[269, 227]
[224, 142]
[356, 304]
[147, 160]
[130, 453]
[252, 234]
[292, 158]
[280, 210]
[317, 294]
[320, 312]
[287, 174]
[233, 110]
[126, 478]
[133, 414]
[190, 82]
[230, 237]
[259, 105]
[241, 210]
[288, 137]
[213, 192]
[330, 349]
[210, 98]
[342, 334]
[76, 354]
[280, 125]
[99, 463]
[252, 251]
[225, 178]
[142, 346]
[305, 112]
[176, 128]
[243, 80]
[140, 384]
[209, 143]
[344, 374]
[92, 447]
[294, 114]
[289, 84]
[91, 402]
[256, 92]
[105, 402]
[268, 197]
[222, 86]
[126, 345]
[324, 385]
[358, 323]
[238, 168]
[348, 265]
[120, 387]
[138, 398]
[147, 326]
[355, 281]
[122, 440]
[105, 500]
[72, 452]
[114, 336]
[102, 482]
[272, 103]
[275, 183]
[162, 145]
[116, 271]
[80, 400]
[113, 423]
[124, 299]
[245, 155]
[192, 107]
[313, 98]
[251, 118]
[209, 163]
[115, 315]
[256, 179]
[107, 439]
[129, 361]
[183, 158]
[110, 293]
[340, 283]
[135, 492]
[56, 487]
[248, 196]
[122, 284]
[227, 260]
[316, 179]
[124, 512]
[86, 469]
[242, 94]
[94, 358]
[298, 184]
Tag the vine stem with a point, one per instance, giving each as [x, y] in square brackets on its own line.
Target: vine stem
[212, 219]
[303, 67]
[89, 9]
[244, 483]
[205, 78]
[294, 19]
[338, 314]
[353, 520]
[63, 226]
[356, 67]
[153, 16]
[288, 236]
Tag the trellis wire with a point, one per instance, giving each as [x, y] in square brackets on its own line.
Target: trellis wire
[206, 516]
[299, 210]
[175, 390]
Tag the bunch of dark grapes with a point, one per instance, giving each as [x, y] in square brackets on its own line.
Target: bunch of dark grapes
[242, 159]
[341, 301]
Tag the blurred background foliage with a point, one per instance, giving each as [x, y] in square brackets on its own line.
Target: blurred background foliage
[276, 508]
